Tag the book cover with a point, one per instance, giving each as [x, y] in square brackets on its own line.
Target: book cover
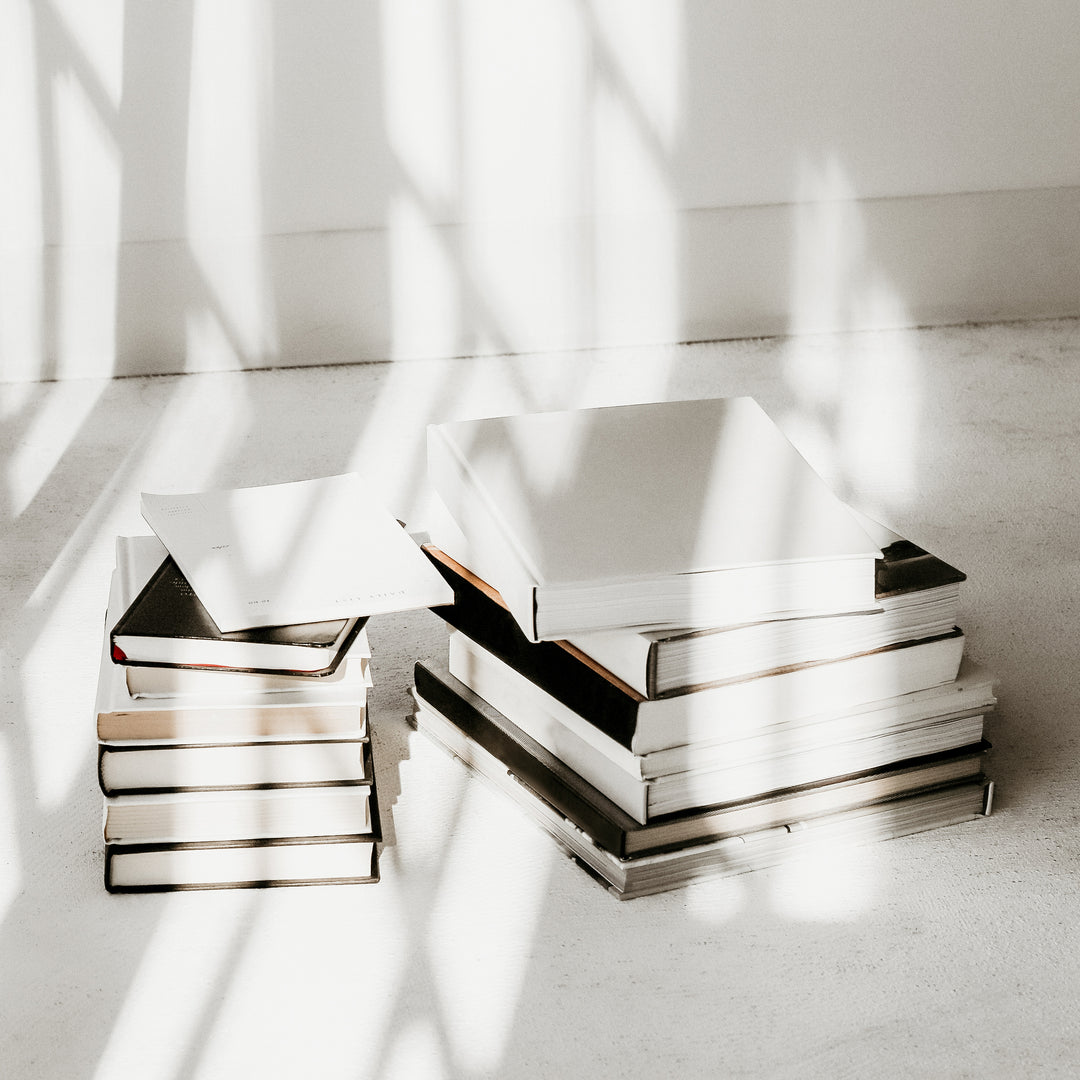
[688, 496]
[167, 624]
[461, 720]
[301, 552]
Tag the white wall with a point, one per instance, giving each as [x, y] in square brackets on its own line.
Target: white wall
[190, 184]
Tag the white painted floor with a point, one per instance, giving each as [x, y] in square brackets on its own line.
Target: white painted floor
[482, 952]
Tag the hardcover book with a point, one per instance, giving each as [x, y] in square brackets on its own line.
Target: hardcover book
[227, 816]
[146, 768]
[462, 721]
[167, 624]
[918, 594]
[175, 683]
[282, 554]
[138, 868]
[666, 515]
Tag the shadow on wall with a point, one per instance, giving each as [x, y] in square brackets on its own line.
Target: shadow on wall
[196, 186]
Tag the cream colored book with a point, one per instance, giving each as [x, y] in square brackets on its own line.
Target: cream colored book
[665, 515]
[301, 552]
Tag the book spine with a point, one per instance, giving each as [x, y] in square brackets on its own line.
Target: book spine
[524, 764]
[607, 704]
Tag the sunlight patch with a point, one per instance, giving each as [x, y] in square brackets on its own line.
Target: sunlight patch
[87, 245]
[833, 882]
[10, 861]
[718, 901]
[416, 1052]
[425, 285]
[181, 968]
[55, 412]
[483, 924]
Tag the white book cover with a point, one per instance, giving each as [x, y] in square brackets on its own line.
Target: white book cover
[637, 492]
[306, 551]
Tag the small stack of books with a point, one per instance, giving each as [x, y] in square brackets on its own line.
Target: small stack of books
[681, 653]
[241, 757]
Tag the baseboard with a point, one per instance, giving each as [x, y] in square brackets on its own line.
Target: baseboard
[423, 290]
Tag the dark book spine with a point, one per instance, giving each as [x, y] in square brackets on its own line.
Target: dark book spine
[524, 765]
[549, 665]
[906, 567]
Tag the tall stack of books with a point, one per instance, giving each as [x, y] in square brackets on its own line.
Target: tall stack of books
[234, 747]
[681, 654]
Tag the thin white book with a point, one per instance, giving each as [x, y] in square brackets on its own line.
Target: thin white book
[301, 552]
[665, 515]
[321, 861]
[164, 681]
[204, 817]
[141, 768]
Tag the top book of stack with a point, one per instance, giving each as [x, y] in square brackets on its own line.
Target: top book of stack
[671, 515]
[286, 554]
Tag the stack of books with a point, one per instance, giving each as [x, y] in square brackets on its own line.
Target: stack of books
[681, 654]
[241, 757]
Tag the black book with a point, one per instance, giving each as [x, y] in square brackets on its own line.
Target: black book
[167, 624]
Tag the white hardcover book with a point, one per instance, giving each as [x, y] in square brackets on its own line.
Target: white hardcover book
[204, 817]
[664, 515]
[281, 554]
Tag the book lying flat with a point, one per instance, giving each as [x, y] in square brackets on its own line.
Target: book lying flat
[301, 552]
[145, 768]
[645, 725]
[651, 873]
[345, 860]
[168, 681]
[335, 709]
[762, 760]
[166, 623]
[665, 515]
[918, 604]
[918, 594]
[276, 813]
[463, 722]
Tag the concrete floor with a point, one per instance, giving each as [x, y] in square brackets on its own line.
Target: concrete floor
[484, 953]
